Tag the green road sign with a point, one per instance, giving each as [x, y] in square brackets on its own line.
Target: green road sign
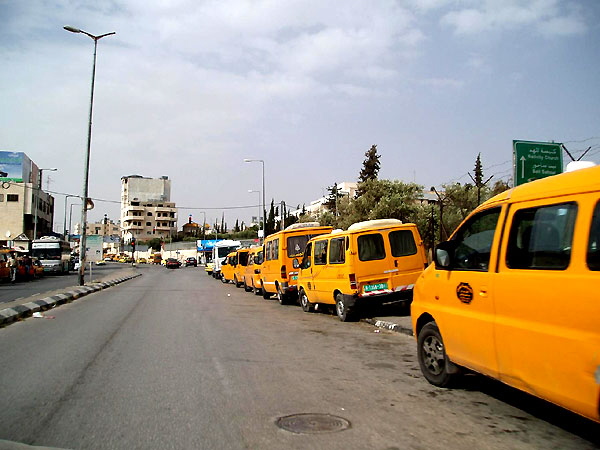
[535, 160]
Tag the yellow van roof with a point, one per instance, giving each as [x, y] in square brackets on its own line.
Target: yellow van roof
[377, 223]
[582, 180]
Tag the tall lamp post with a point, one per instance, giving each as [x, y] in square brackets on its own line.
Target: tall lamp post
[37, 200]
[84, 203]
[259, 214]
[263, 194]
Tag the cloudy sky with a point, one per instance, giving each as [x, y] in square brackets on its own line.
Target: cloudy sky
[189, 88]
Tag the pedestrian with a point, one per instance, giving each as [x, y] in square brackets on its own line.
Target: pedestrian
[12, 263]
[27, 264]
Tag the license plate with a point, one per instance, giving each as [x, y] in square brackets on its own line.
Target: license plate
[374, 287]
[294, 277]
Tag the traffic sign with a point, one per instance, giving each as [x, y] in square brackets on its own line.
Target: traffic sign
[535, 160]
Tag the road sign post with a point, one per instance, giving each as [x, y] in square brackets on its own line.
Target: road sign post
[535, 160]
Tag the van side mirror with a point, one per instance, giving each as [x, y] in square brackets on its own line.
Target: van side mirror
[295, 263]
[443, 255]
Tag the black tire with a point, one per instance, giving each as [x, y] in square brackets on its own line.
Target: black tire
[209, 274]
[435, 365]
[265, 294]
[246, 287]
[282, 298]
[236, 282]
[343, 311]
[257, 291]
[304, 303]
[224, 280]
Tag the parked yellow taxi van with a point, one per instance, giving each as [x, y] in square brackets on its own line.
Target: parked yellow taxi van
[278, 276]
[228, 267]
[373, 261]
[515, 293]
[253, 269]
[239, 269]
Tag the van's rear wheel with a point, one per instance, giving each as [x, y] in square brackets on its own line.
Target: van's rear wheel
[236, 282]
[306, 305]
[435, 365]
[345, 313]
[246, 287]
[265, 294]
[281, 297]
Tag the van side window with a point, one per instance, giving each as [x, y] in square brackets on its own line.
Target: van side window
[337, 251]
[593, 253]
[259, 258]
[321, 252]
[540, 238]
[402, 243]
[275, 249]
[370, 247]
[306, 258]
[267, 251]
[474, 241]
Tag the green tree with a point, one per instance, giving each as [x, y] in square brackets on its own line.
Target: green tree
[370, 168]
[332, 199]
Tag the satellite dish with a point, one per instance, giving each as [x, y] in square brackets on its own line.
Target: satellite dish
[89, 204]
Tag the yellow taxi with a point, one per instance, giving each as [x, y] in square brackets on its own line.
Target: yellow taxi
[375, 261]
[278, 274]
[228, 267]
[252, 280]
[514, 294]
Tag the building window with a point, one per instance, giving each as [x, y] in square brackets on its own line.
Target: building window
[148, 224]
[12, 197]
[1, 197]
[149, 214]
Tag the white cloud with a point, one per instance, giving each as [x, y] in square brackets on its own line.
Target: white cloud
[548, 17]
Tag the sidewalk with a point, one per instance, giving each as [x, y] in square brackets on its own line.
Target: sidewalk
[25, 307]
[393, 317]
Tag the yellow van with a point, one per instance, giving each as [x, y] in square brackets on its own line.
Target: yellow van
[228, 267]
[515, 294]
[278, 276]
[240, 266]
[373, 261]
[252, 277]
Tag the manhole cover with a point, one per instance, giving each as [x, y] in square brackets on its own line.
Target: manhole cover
[312, 423]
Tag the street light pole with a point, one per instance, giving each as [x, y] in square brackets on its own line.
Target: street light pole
[37, 201]
[263, 195]
[65, 221]
[82, 241]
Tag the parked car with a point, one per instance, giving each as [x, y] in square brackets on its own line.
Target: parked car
[228, 267]
[191, 261]
[278, 276]
[101, 263]
[38, 268]
[514, 294]
[252, 279]
[172, 263]
[209, 268]
[372, 262]
[142, 261]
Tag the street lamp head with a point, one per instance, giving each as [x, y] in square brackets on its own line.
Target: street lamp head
[72, 29]
[247, 160]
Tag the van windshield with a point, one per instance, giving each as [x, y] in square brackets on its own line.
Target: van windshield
[243, 258]
[370, 247]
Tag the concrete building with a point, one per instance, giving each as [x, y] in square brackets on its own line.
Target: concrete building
[146, 208]
[20, 194]
[346, 189]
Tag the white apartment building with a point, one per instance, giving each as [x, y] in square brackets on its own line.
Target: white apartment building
[146, 208]
[20, 195]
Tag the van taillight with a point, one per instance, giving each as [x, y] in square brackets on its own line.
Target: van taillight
[353, 284]
[283, 272]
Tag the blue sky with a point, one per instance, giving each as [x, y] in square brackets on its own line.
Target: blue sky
[188, 89]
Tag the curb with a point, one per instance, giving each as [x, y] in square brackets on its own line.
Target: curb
[390, 326]
[9, 315]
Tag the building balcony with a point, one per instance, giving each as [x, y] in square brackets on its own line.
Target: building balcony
[128, 226]
[134, 208]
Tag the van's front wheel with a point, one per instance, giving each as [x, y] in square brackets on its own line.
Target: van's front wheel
[306, 305]
[344, 312]
[435, 365]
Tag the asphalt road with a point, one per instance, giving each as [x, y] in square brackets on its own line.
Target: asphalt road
[50, 282]
[177, 360]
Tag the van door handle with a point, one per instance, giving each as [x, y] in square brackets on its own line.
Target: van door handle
[483, 292]
[396, 262]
